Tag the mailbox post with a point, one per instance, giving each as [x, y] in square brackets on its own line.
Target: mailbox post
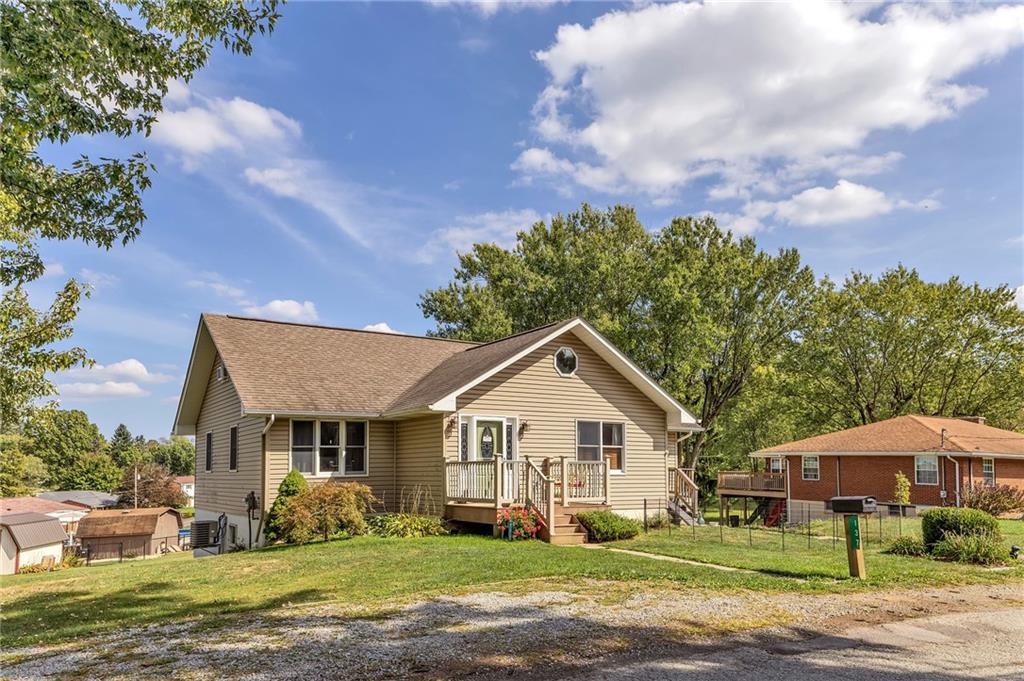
[852, 508]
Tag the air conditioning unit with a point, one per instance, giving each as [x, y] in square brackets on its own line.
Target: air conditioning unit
[205, 534]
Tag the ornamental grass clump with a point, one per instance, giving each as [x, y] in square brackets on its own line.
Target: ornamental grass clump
[406, 525]
[518, 523]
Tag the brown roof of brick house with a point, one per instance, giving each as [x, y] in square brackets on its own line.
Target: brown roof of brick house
[30, 530]
[910, 434]
[123, 522]
[36, 505]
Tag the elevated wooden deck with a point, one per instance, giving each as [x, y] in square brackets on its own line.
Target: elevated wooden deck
[751, 484]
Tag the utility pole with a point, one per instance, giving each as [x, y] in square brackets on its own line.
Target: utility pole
[135, 496]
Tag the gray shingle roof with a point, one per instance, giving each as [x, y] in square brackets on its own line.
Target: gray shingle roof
[30, 530]
[87, 497]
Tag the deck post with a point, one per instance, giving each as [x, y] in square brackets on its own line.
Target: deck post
[551, 508]
[607, 482]
[565, 487]
[499, 483]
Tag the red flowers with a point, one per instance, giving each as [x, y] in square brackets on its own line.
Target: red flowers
[518, 523]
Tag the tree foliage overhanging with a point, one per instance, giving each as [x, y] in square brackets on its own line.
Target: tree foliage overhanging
[84, 68]
[751, 341]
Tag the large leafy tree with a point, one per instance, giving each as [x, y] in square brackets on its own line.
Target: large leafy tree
[85, 68]
[72, 448]
[696, 308]
[126, 449]
[875, 348]
[178, 455]
[148, 485]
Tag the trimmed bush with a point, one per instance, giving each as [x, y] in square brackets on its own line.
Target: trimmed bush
[978, 548]
[605, 526]
[907, 546]
[406, 525]
[936, 523]
[293, 485]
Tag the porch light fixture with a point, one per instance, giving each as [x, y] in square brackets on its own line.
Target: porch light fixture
[524, 427]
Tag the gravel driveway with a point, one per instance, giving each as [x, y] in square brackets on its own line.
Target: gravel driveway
[593, 630]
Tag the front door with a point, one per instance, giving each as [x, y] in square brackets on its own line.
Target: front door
[490, 439]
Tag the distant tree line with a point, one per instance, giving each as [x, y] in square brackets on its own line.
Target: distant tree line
[60, 449]
[758, 347]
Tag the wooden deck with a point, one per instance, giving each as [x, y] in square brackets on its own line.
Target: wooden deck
[752, 484]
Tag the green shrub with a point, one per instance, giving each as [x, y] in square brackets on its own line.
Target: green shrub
[326, 510]
[406, 525]
[605, 526]
[936, 523]
[979, 548]
[907, 546]
[995, 500]
[658, 521]
[292, 485]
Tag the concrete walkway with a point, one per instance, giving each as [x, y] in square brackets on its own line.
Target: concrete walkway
[671, 559]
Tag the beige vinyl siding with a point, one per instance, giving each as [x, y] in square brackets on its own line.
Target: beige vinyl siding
[550, 404]
[420, 448]
[223, 491]
[380, 459]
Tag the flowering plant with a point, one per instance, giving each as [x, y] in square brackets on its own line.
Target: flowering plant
[518, 523]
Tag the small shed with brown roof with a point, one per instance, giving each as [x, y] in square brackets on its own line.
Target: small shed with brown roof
[28, 538]
[130, 532]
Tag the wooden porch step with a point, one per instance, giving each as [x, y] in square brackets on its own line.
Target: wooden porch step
[574, 538]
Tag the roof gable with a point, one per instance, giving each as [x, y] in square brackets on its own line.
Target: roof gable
[910, 434]
[30, 530]
[297, 369]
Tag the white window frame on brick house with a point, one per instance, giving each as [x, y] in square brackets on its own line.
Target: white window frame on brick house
[804, 461]
[932, 462]
[988, 471]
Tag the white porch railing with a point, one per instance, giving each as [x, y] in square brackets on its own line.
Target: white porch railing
[523, 482]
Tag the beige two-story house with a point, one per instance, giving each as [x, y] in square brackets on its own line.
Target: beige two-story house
[556, 419]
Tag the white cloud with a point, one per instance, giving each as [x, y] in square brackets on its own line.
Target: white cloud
[452, 186]
[285, 310]
[475, 44]
[491, 227]
[129, 369]
[211, 281]
[819, 206]
[1018, 297]
[754, 93]
[216, 124]
[106, 389]
[97, 279]
[488, 8]
[380, 327]
[52, 269]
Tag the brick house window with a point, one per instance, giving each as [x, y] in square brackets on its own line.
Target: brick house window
[926, 470]
[810, 468]
[774, 465]
[988, 472]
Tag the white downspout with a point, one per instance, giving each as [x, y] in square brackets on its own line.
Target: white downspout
[270, 422]
[956, 472]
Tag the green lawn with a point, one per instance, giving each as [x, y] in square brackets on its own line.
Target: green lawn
[820, 561]
[368, 574]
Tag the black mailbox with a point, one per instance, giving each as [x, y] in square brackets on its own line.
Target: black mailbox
[854, 504]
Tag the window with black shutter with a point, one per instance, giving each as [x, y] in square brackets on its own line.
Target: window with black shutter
[209, 452]
[233, 450]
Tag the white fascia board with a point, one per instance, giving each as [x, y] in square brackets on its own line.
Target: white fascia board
[190, 428]
[312, 414]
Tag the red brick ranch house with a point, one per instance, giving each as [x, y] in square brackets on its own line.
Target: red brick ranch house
[940, 456]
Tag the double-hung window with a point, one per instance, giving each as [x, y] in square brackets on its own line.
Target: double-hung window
[774, 465]
[601, 441]
[810, 468]
[325, 448]
[926, 470]
[988, 472]
[209, 453]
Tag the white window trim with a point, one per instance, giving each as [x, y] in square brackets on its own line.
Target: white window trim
[601, 422]
[779, 460]
[817, 468]
[208, 453]
[984, 478]
[471, 419]
[316, 474]
[237, 447]
[917, 479]
[554, 360]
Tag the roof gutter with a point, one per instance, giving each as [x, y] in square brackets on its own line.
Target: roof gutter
[270, 422]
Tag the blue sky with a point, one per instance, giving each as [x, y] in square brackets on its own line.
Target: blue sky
[332, 176]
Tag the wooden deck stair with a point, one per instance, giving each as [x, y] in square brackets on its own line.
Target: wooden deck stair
[567, 528]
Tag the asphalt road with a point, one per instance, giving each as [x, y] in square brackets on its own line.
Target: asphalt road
[975, 645]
